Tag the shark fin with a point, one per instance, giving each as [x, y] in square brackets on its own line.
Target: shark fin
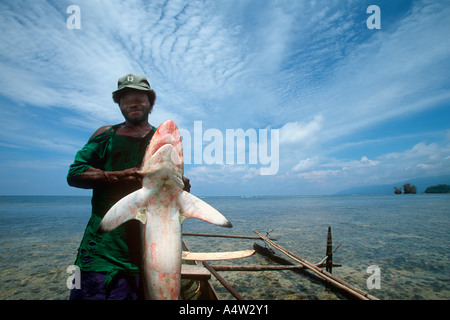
[133, 206]
[193, 207]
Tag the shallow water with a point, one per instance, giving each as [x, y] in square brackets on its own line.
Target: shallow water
[404, 235]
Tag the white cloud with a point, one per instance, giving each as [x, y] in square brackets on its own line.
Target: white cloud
[319, 176]
[306, 164]
[364, 162]
[421, 160]
[301, 133]
[420, 150]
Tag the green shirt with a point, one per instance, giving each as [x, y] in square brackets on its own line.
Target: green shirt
[118, 250]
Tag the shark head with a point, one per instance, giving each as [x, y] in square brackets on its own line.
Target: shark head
[163, 159]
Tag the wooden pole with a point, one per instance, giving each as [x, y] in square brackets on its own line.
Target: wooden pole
[320, 264]
[223, 282]
[266, 252]
[222, 236]
[338, 283]
[257, 268]
[329, 252]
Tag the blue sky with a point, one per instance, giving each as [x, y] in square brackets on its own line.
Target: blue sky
[353, 106]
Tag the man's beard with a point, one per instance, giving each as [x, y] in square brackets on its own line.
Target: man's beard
[138, 119]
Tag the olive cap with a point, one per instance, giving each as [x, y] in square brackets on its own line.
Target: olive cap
[132, 81]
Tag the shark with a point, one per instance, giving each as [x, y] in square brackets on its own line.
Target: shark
[161, 205]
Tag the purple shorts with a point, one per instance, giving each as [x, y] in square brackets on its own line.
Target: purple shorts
[121, 287]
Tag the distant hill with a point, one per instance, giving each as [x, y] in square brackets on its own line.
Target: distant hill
[440, 188]
[420, 183]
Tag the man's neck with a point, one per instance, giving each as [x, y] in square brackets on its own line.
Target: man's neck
[137, 130]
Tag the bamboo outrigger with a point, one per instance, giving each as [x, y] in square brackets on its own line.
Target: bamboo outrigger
[328, 277]
[200, 275]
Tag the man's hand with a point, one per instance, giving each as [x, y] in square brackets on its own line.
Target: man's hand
[127, 176]
[187, 185]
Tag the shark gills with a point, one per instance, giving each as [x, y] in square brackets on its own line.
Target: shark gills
[161, 206]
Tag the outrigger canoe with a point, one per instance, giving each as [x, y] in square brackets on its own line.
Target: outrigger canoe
[195, 284]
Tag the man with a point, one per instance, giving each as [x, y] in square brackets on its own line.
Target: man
[109, 165]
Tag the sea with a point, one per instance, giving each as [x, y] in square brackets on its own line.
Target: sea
[394, 247]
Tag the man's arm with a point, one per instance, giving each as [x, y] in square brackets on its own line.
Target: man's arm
[94, 177]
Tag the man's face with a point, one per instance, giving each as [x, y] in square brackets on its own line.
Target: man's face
[135, 106]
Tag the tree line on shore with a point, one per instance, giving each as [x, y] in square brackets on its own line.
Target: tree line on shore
[411, 189]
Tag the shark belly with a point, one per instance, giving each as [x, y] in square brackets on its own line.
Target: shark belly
[162, 253]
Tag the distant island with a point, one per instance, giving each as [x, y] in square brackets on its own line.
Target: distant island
[420, 183]
[407, 189]
[411, 189]
[440, 188]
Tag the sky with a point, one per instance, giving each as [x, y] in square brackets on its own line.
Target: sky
[341, 104]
